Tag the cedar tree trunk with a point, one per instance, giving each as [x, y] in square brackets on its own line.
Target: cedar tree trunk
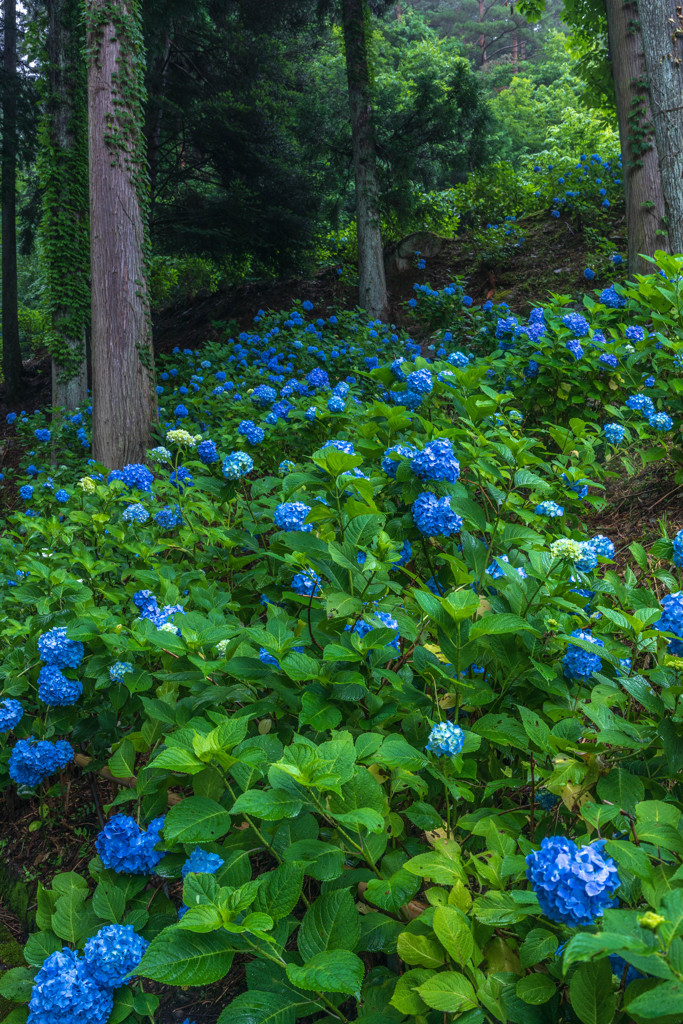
[124, 395]
[661, 26]
[642, 178]
[372, 287]
[11, 351]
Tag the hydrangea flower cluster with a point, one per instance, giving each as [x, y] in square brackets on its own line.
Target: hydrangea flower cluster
[574, 884]
[168, 517]
[660, 421]
[118, 670]
[11, 713]
[291, 516]
[341, 446]
[55, 648]
[64, 991]
[577, 324]
[149, 608]
[236, 465]
[672, 620]
[445, 738]
[136, 513]
[614, 432]
[678, 549]
[362, 628]
[436, 462]
[134, 475]
[253, 434]
[389, 465]
[263, 396]
[566, 547]
[434, 516]
[495, 572]
[201, 862]
[33, 760]
[602, 545]
[207, 452]
[125, 848]
[550, 509]
[420, 382]
[56, 689]
[113, 954]
[579, 664]
[306, 583]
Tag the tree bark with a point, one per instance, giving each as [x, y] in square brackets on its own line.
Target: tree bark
[11, 351]
[372, 287]
[645, 208]
[64, 226]
[482, 37]
[661, 26]
[124, 396]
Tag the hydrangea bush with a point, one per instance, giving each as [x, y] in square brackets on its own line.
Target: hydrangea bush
[395, 724]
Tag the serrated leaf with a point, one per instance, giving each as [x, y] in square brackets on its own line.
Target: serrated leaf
[177, 957]
[536, 989]
[280, 890]
[452, 931]
[267, 804]
[197, 819]
[590, 991]
[255, 1007]
[332, 971]
[332, 922]
[449, 992]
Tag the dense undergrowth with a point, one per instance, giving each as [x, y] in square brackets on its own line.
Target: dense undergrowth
[396, 736]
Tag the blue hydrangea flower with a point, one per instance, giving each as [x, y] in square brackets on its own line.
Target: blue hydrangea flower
[181, 411]
[113, 953]
[678, 549]
[495, 572]
[589, 274]
[588, 557]
[672, 620]
[55, 648]
[306, 583]
[136, 475]
[634, 333]
[286, 466]
[147, 603]
[384, 619]
[160, 454]
[420, 382]
[263, 396]
[389, 465]
[33, 760]
[202, 862]
[291, 515]
[268, 659]
[550, 509]
[236, 465]
[26, 492]
[610, 298]
[64, 991]
[253, 434]
[602, 545]
[577, 324]
[609, 360]
[575, 348]
[341, 446]
[168, 517]
[311, 413]
[614, 432]
[579, 664]
[436, 462]
[445, 738]
[125, 848]
[11, 713]
[136, 513]
[574, 885]
[181, 478]
[434, 516]
[579, 487]
[118, 670]
[42, 434]
[396, 369]
[207, 452]
[661, 421]
[55, 689]
[318, 378]
[458, 359]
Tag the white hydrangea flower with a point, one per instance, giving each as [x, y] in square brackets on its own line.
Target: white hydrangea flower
[86, 484]
[182, 437]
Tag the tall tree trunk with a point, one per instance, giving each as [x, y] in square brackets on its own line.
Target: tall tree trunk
[661, 26]
[11, 350]
[641, 168]
[63, 165]
[372, 287]
[399, 11]
[515, 50]
[482, 37]
[124, 396]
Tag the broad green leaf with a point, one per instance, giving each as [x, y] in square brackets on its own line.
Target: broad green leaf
[419, 950]
[321, 860]
[537, 946]
[453, 932]
[259, 1008]
[39, 946]
[590, 991]
[406, 998]
[392, 893]
[197, 819]
[122, 762]
[662, 1001]
[332, 971]
[280, 890]
[332, 922]
[449, 992]
[622, 789]
[177, 957]
[536, 989]
[267, 804]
